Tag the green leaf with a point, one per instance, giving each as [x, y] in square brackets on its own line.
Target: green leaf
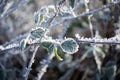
[40, 15]
[49, 46]
[37, 33]
[51, 8]
[23, 44]
[56, 54]
[40, 19]
[69, 46]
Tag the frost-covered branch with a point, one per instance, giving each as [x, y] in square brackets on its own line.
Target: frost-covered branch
[17, 39]
[44, 65]
[30, 63]
[113, 40]
[18, 5]
[92, 35]
[91, 12]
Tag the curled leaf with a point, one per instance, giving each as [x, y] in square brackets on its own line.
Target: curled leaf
[56, 54]
[40, 18]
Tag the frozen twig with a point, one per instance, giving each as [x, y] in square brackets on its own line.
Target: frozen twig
[113, 40]
[18, 5]
[17, 39]
[89, 17]
[93, 11]
[30, 63]
[92, 36]
[44, 65]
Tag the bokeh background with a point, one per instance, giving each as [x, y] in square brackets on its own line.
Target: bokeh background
[79, 66]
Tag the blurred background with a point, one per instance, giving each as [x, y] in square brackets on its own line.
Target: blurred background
[79, 66]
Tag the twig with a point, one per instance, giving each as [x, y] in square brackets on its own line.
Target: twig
[92, 36]
[44, 65]
[10, 47]
[113, 40]
[93, 11]
[68, 74]
[17, 39]
[85, 74]
[89, 17]
[31, 62]
[18, 5]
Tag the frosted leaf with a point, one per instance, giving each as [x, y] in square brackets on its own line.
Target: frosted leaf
[40, 14]
[48, 45]
[69, 46]
[37, 33]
